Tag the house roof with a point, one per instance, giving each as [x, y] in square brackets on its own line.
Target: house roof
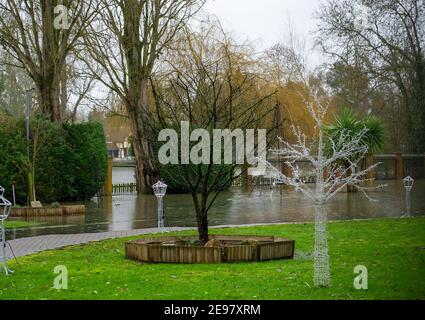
[118, 129]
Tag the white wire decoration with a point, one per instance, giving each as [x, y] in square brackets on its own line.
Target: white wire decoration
[5, 207]
[335, 165]
[160, 190]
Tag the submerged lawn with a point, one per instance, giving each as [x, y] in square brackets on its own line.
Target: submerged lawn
[17, 224]
[393, 250]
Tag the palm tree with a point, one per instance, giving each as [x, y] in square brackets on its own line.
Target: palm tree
[347, 122]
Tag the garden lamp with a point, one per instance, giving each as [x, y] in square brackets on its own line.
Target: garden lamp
[408, 185]
[5, 206]
[160, 189]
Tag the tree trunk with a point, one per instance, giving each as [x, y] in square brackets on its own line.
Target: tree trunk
[419, 104]
[322, 276]
[63, 91]
[51, 67]
[48, 100]
[146, 173]
[139, 58]
[31, 187]
[202, 219]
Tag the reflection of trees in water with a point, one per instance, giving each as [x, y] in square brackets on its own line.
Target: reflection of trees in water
[123, 175]
[235, 207]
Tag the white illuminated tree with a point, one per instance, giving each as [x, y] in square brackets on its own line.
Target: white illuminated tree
[336, 164]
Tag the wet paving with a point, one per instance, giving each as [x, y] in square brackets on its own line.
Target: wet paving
[237, 206]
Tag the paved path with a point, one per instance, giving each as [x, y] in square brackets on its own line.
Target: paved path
[26, 246]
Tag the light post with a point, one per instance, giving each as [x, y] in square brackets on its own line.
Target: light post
[160, 189]
[408, 185]
[5, 206]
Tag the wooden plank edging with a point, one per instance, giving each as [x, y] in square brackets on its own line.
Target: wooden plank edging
[48, 211]
[153, 251]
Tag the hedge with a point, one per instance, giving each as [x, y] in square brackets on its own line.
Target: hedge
[70, 161]
[13, 159]
[90, 158]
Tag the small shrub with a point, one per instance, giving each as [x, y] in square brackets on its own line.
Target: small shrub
[55, 205]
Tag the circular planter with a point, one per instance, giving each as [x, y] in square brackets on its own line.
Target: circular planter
[227, 249]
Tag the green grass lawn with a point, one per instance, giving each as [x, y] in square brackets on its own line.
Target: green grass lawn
[20, 224]
[391, 249]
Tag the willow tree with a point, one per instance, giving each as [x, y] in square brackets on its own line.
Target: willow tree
[40, 35]
[124, 43]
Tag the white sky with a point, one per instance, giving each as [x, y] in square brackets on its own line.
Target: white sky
[265, 21]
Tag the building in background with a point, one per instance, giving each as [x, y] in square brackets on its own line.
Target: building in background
[118, 135]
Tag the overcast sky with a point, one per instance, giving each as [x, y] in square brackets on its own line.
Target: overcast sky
[266, 21]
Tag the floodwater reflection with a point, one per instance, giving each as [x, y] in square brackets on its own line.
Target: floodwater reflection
[237, 206]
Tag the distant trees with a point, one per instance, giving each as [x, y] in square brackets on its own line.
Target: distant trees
[13, 83]
[122, 46]
[351, 87]
[385, 40]
[28, 32]
[284, 62]
[114, 46]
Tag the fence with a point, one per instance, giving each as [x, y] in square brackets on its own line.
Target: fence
[258, 181]
[392, 167]
[398, 166]
[124, 188]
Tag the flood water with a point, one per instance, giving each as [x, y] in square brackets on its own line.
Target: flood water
[237, 206]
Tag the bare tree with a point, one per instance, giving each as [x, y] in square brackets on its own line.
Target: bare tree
[124, 43]
[38, 42]
[76, 89]
[210, 87]
[13, 83]
[285, 61]
[386, 38]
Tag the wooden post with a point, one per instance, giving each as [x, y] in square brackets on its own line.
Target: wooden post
[399, 168]
[287, 171]
[247, 180]
[107, 189]
[369, 163]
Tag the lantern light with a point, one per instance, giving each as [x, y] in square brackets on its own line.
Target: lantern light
[160, 189]
[408, 182]
[408, 185]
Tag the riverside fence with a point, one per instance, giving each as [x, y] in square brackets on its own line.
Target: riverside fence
[124, 188]
[394, 166]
